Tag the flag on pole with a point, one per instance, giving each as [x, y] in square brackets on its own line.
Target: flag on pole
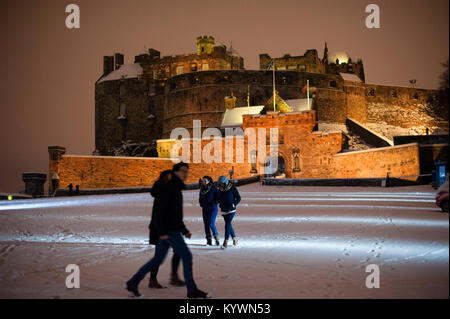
[305, 90]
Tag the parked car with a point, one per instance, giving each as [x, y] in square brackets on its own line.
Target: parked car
[442, 197]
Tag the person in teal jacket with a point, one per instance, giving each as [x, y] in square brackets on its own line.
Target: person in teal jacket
[228, 199]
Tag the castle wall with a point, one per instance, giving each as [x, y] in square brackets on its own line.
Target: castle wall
[296, 139]
[179, 100]
[309, 62]
[401, 106]
[355, 101]
[140, 104]
[115, 171]
[166, 67]
[201, 95]
[398, 161]
[317, 161]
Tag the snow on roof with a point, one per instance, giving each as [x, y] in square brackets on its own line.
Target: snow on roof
[233, 117]
[350, 77]
[127, 71]
[299, 105]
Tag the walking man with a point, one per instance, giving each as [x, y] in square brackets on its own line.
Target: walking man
[159, 192]
[170, 228]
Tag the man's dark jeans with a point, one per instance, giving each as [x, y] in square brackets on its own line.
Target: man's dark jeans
[175, 241]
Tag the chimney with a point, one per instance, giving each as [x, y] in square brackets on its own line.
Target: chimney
[108, 65]
[118, 60]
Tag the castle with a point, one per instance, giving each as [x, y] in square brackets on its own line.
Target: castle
[145, 100]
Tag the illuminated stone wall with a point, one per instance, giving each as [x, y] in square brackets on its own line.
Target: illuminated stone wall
[305, 153]
[115, 171]
[398, 161]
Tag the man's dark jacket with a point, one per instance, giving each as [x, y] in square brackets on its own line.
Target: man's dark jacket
[159, 192]
[170, 216]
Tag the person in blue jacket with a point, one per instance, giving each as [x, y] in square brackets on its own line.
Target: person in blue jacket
[228, 199]
[208, 202]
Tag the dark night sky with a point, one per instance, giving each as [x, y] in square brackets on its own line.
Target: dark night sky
[48, 71]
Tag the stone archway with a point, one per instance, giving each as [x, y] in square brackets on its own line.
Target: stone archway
[269, 167]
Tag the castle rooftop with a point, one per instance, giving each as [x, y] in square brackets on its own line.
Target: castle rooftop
[126, 71]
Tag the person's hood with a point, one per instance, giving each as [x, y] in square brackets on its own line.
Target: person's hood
[156, 189]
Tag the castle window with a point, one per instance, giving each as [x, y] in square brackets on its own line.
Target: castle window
[151, 109]
[281, 138]
[122, 111]
[194, 80]
[205, 67]
[122, 91]
[152, 90]
[394, 94]
[415, 96]
[180, 69]
[155, 74]
[193, 67]
[333, 84]
[371, 92]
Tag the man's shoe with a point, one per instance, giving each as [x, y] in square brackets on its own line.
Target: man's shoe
[132, 286]
[235, 241]
[174, 280]
[208, 241]
[217, 240]
[198, 294]
[153, 283]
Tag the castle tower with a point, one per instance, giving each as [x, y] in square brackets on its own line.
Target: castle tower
[325, 54]
[205, 44]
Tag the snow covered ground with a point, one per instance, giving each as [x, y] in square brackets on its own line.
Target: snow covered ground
[295, 242]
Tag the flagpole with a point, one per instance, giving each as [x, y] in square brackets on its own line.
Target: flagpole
[307, 93]
[273, 63]
[248, 98]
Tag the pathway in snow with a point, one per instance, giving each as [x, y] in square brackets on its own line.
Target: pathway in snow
[295, 242]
